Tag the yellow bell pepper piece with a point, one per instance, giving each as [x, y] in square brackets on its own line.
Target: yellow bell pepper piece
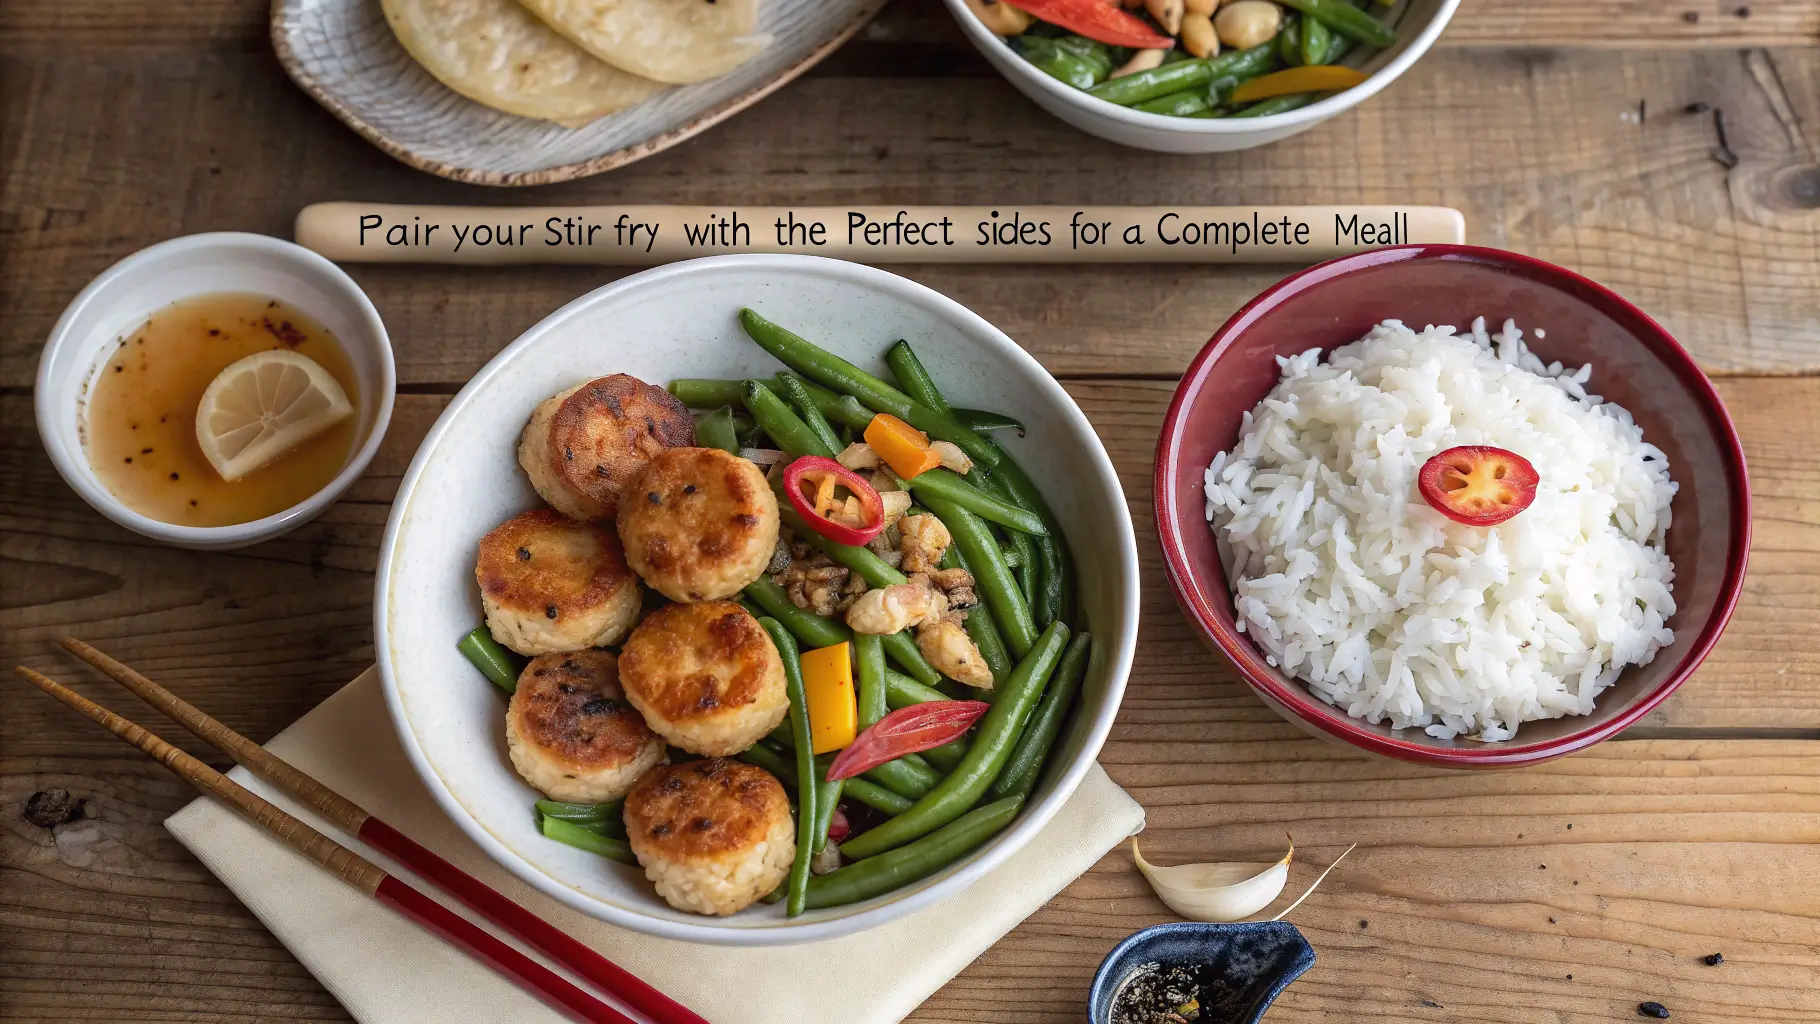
[902, 447]
[833, 708]
[1308, 78]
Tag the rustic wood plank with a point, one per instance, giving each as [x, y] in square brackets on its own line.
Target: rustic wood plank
[1728, 260]
[101, 27]
[1595, 882]
[1482, 893]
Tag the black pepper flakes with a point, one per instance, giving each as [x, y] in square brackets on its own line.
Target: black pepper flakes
[1742, 12]
[688, 488]
[654, 498]
[549, 611]
[1714, 959]
[600, 706]
[1652, 1009]
[174, 476]
[524, 554]
[1691, 17]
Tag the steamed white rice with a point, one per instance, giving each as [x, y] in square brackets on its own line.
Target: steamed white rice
[1350, 582]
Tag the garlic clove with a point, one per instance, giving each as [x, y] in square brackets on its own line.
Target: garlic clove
[1227, 891]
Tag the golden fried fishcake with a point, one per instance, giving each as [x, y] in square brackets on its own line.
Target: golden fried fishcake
[550, 584]
[571, 733]
[706, 676]
[582, 445]
[714, 835]
[698, 523]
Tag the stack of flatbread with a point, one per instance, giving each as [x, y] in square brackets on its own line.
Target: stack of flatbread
[571, 61]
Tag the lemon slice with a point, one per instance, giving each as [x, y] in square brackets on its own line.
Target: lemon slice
[262, 407]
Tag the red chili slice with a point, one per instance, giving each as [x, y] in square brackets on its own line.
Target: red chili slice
[1478, 485]
[1097, 20]
[839, 827]
[908, 730]
[821, 477]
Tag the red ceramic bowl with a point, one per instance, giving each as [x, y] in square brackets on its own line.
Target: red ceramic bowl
[1635, 363]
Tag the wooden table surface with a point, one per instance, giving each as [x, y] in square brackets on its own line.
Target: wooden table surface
[1562, 128]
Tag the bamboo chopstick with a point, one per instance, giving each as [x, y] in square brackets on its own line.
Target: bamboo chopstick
[363, 825]
[352, 868]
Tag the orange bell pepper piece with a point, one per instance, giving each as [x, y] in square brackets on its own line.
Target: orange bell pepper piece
[902, 447]
[833, 707]
[1307, 78]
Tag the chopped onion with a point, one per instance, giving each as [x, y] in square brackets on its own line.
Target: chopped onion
[763, 456]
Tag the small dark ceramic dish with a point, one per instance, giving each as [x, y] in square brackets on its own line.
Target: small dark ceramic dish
[1253, 960]
[1635, 363]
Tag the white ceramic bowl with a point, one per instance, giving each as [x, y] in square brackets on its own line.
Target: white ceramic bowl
[126, 294]
[681, 321]
[1418, 23]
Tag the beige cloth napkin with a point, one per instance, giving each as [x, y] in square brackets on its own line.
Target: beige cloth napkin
[386, 970]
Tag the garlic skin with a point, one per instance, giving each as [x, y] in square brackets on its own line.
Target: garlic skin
[1218, 892]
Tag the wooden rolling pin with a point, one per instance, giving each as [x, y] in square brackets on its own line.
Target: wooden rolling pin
[646, 235]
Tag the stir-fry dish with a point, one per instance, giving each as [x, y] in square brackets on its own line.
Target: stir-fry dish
[1195, 58]
[808, 646]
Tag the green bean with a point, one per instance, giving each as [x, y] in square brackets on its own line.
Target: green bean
[1289, 41]
[1013, 559]
[715, 430]
[614, 829]
[1316, 39]
[812, 629]
[1064, 63]
[698, 393]
[839, 408]
[1347, 20]
[951, 486]
[1279, 104]
[869, 659]
[908, 776]
[827, 797]
[980, 421]
[994, 581]
[792, 387]
[913, 378]
[579, 812]
[949, 755]
[770, 760]
[877, 797]
[805, 763]
[1192, 100]
[998, 733]
[1020, 773]
[901, 648]
[901, 691]
[1056, 584]
[1129, 90]
[494, 661]
[981, 628]
[571, 834]
[818, 364]
[911, 861]
[871, 568]
[782, 423]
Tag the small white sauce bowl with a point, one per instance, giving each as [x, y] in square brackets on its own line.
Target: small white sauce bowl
[1418, 24]
[120, 301]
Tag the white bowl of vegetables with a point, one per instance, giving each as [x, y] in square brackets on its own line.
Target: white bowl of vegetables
[1201, 76]
[692, 327]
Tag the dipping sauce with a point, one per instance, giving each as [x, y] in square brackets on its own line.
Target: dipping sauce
[1178, 993]
[140, 425]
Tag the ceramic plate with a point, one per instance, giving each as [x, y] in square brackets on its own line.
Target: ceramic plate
[342, 53]
[681, 321]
